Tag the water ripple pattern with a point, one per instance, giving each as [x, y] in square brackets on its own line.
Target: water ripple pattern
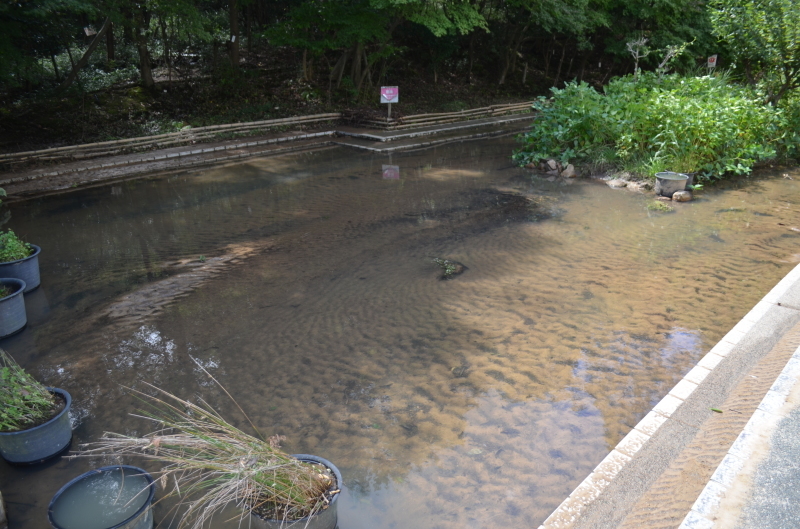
[479, 401]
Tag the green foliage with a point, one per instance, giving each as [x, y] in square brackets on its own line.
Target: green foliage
[12, 248]
[657, 205]
[684, 124]
[764, 36]
[25, 402]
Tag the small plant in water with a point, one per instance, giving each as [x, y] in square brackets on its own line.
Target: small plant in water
[449, 268]
[657, 205]
[25, 402]
[212, 464]
[202, 258]
[12, 248]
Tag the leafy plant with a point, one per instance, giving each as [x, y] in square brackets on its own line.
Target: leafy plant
[684, 124]
[25, 402]
[212, 464]
[12, 248]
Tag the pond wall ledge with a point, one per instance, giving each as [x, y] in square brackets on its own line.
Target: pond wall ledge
[613, 489]
[81, 172]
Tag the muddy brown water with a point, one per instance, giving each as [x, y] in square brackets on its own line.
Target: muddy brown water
[305, 284]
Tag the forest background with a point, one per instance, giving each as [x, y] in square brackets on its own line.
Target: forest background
[74, 71]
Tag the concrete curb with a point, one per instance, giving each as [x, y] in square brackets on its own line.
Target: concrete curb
[570, 510]
[758, 429]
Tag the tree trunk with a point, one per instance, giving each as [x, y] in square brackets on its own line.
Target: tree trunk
[338, 69]
[167, 53]
[561, 62]
[525, 73]
[234, 40]
[127, 34]
[85, 59]
[248, 28]
[355, 68]
[583, 66]
[55, 67]
[141, 47]
[110, 43]
[471, 55]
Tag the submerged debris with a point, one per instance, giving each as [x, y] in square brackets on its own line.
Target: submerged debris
[450, 269]
[659, 206]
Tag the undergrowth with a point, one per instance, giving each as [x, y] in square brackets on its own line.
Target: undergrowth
[656, 123]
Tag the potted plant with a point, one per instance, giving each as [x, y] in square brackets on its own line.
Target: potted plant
[13, 317]
[34, 419]
[19, 259]
[217, 465]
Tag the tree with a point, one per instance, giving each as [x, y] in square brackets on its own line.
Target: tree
[764, 36]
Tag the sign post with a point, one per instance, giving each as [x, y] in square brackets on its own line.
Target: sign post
[712, 63]
[390, 94]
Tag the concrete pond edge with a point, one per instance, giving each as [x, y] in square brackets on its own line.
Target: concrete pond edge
[325, 138]
[760, 427]
[571, 509]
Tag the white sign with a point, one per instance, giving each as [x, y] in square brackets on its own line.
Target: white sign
[390, 94]
[712, 61]
[391, 172]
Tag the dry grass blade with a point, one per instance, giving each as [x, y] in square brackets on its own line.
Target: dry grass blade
[214, 464]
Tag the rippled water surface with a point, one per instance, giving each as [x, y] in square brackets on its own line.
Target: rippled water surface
[306, 285]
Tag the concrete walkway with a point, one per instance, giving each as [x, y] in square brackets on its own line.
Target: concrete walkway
[722, 448]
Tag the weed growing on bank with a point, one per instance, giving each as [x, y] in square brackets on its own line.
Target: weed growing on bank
[658, 123]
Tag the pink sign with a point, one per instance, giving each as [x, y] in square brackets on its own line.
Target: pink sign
[390, 94]
[391, 172]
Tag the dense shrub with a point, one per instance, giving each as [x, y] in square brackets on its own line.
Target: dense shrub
[650, 124]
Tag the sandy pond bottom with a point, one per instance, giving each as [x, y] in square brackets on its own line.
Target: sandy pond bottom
[305, 284]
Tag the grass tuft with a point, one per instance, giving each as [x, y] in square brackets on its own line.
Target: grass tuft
[211, 463]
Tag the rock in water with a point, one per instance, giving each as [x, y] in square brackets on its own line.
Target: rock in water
[450, 269]
[617, 183]
[552, 165]
[682, 196]
[569, 171]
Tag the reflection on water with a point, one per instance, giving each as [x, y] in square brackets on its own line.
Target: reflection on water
[305, 284]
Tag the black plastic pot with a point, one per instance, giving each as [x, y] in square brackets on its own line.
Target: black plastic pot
[141, 519]
[667, 183]
[13, 317]
[325, 519]
[26, 269]
[40, 443]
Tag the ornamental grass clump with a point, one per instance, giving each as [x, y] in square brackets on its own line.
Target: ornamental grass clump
[212, 464]
[24, 402]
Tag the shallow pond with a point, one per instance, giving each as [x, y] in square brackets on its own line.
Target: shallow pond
[305, 284]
